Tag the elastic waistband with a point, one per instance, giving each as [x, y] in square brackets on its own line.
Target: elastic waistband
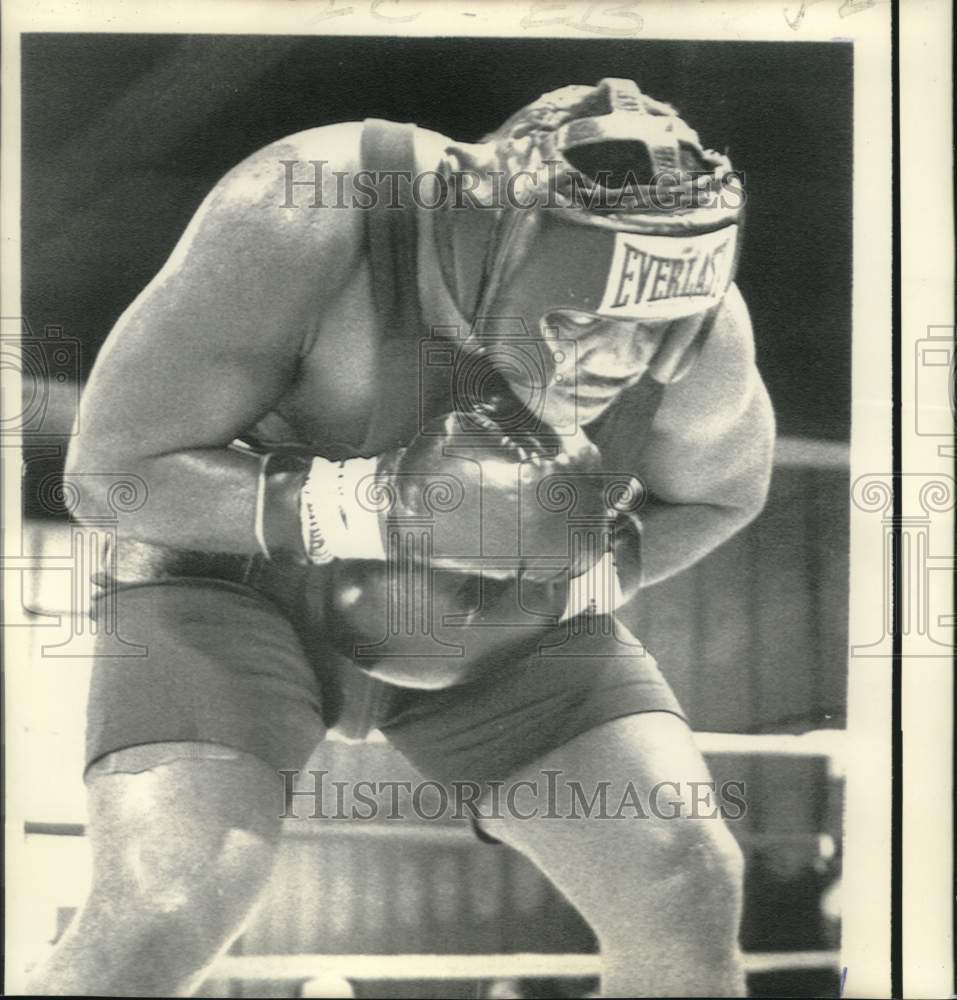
[132, 562]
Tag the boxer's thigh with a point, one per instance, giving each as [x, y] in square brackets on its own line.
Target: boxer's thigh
[657, 875]
[185, 744]
[631, 801]
[586, 714]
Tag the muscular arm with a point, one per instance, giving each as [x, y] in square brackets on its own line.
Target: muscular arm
[707, 463]
[210, 345]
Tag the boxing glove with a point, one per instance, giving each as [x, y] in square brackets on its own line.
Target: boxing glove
[498, 502]
[490, 501]
[411, 625]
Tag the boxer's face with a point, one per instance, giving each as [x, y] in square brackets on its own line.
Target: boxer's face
[609, 356]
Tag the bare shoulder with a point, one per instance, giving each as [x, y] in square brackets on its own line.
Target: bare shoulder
[312, 169]
[430, 146]
[285, 187]
[293, 206]
[249, 239]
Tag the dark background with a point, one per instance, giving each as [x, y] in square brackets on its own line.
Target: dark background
[123, 135]
[122, 138]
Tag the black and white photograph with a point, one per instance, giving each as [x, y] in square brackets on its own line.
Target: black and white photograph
[451, 522]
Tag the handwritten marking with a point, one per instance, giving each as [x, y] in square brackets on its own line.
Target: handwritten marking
[397, 18]
[601, 17]
[622, 10]
[795, 23]
[840, 991]
[536, 17]
[855, 7]
[331, 10]
[847, 8]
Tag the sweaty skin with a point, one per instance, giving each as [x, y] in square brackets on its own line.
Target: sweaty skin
[263, 317]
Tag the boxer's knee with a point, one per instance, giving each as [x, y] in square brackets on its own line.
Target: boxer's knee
[184, 838]
[183, 847]
[687, 912]
[700, 854]
[709, 889]
[673, 918]
[206, 878]
[710, 855]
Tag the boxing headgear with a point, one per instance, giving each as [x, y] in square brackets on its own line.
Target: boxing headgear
[609, 205]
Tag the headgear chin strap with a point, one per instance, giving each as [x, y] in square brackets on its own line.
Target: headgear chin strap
[620, 212]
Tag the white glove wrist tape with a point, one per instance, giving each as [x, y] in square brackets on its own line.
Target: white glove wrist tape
[338, 520]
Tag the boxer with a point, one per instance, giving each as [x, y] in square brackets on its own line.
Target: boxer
[595, 423]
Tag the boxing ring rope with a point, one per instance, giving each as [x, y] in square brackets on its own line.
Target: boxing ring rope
[436, 834]
[500, 966]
